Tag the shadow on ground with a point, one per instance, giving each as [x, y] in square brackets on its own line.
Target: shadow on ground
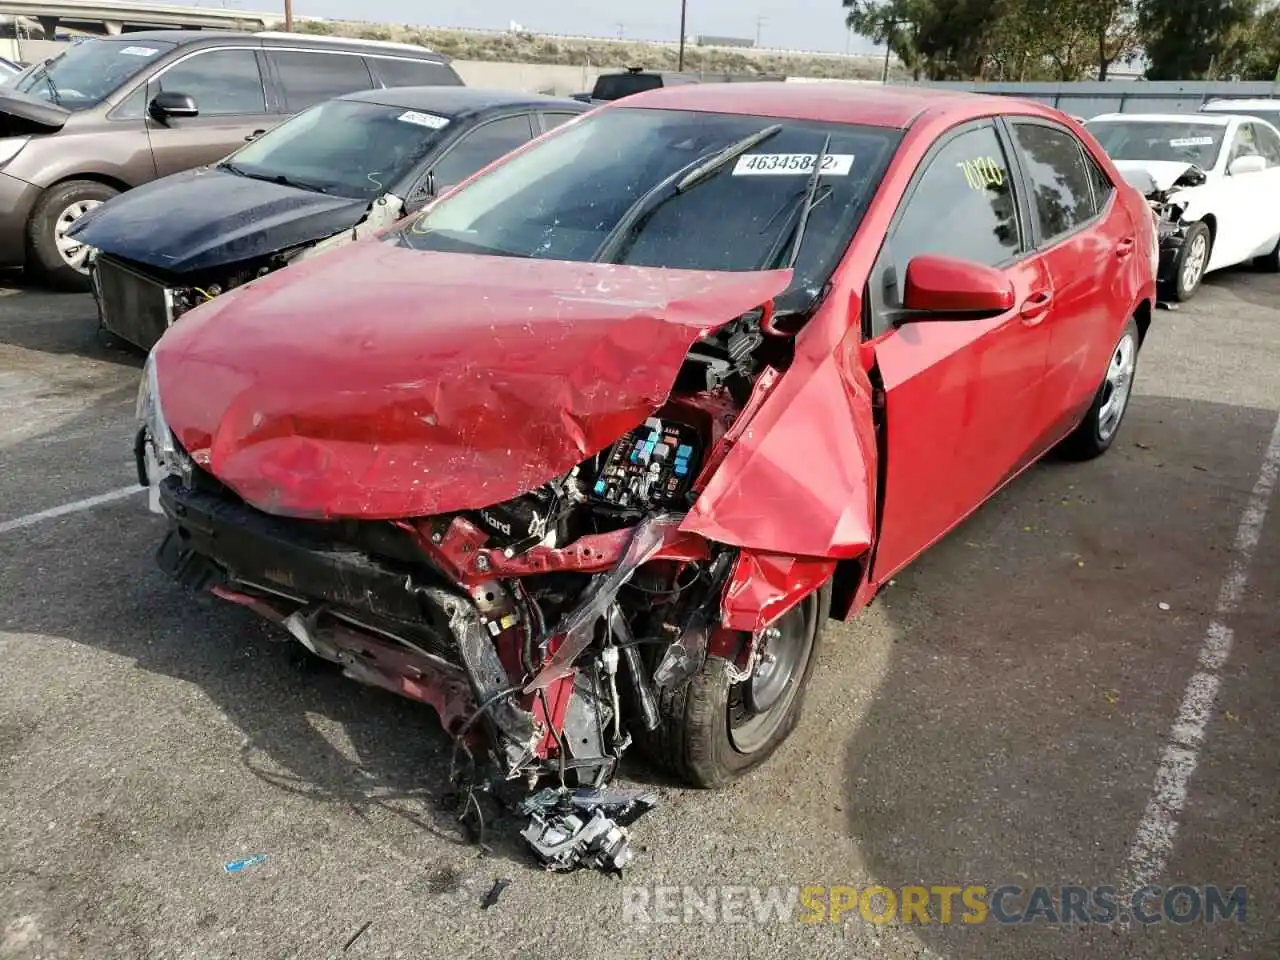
[59, 324]
[1044, 650]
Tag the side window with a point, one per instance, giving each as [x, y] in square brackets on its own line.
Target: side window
[308, 78]
[480, 147]
[1243, 144]
[1102, 185]
[1061, 194]
[414, 73]
[222, 82]
[962, 205]
[552, 120]
[1268, 144]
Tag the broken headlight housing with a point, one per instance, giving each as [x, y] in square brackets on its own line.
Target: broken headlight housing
[157, 453]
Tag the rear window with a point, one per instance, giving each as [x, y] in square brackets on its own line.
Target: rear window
[414, 73]
[615, 86]
[309, 77]
[569, 196]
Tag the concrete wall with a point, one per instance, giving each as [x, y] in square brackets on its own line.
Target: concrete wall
[529, 77]
[28, 51]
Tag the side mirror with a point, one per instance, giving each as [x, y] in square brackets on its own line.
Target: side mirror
[944, 288]
[1247, 164]
[168, 105]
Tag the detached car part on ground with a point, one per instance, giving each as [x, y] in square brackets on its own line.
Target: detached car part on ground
[587, 453]
[334, 173]
[1213, 181]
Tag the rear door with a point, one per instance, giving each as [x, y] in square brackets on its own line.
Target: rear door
[1086, 238]
[960, 397]
[308, 77]
[227, 86]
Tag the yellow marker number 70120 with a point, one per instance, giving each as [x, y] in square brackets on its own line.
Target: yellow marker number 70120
[981, 173]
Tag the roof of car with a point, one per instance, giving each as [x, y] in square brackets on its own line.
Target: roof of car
[273, 38]
[1253, 103]
[875, 105]
[452, 101]
[1215, 121]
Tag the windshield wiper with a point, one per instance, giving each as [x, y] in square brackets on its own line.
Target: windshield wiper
[43, 73]
[810, 202]
[672, 186]
[280, 178]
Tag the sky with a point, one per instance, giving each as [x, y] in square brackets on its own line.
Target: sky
[798, 24]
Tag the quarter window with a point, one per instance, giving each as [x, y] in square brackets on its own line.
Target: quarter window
[481, 147]
[414, 73]
[1060, 181]
[962, 206]
[222, 82]
[309, 78]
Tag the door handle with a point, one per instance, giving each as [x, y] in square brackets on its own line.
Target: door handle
[254, 136]
[1124, 247]
[1034, 307]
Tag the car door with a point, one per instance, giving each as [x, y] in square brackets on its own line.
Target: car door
[1241, 203]
[1086, 239]
[308, 77]
[960, 397]
[479, 147]
[227, 86]
[1268, 143]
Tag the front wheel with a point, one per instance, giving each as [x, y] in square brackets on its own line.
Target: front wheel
[714, 730]
[1097, 431]
[1191, 261]
[55, 258]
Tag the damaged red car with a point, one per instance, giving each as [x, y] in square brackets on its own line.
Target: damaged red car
[590, 451]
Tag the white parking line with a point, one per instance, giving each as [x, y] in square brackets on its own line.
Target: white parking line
[1156, 833]
[75, 507]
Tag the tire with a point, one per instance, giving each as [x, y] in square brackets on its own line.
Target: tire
[55, 209]
[696, 740]
[1097, 431]
[1189, 265]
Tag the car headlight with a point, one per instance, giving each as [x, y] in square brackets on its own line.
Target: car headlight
[10, 147]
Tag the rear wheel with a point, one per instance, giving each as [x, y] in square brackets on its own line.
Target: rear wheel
[55, 258]
[714, 729]
[1097, 431]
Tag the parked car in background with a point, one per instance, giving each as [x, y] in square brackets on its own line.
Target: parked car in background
[1264, 108]
[9, 70]
[614, 86]
[1213, 180]
[110, 114]
[332, 173]
[589, 450]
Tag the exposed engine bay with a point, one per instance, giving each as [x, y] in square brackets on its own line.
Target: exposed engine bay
[544, 629]
[1168, 208]
[138, 303]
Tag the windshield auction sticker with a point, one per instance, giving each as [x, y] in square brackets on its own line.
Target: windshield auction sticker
[765, 164]
[139, 51]
[424, 119]
[1191, 142]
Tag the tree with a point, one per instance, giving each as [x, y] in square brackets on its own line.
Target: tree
[891, 22]
[1192, 39]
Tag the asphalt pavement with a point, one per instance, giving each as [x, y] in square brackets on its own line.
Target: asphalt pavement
[1077, 687]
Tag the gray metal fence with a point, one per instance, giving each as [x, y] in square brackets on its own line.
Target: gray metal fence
[1089, 99]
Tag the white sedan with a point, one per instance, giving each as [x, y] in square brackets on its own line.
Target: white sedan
[1214, 181]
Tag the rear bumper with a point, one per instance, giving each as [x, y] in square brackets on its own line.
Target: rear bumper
[17, 199]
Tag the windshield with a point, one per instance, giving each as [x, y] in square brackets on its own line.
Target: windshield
[1171, 140]
[562, 198]
[88, 72]
[344, 147]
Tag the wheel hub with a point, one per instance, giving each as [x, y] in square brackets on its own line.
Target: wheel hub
[767, 695]
[1195, 262]
[1118, 385]
[73, 253]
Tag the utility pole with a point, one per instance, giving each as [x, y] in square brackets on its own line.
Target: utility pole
[684, 5]
[760, 22]
[288, 16]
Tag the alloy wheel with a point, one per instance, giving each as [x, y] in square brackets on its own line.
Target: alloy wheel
[74, 253]
[1117, 387]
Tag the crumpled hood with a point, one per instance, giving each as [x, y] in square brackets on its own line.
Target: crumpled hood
[1152, 176]
[208, 217]
[382, 382]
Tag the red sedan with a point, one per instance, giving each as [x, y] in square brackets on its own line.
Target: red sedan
[589, 451]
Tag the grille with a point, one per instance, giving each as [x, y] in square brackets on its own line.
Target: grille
[132, 307]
